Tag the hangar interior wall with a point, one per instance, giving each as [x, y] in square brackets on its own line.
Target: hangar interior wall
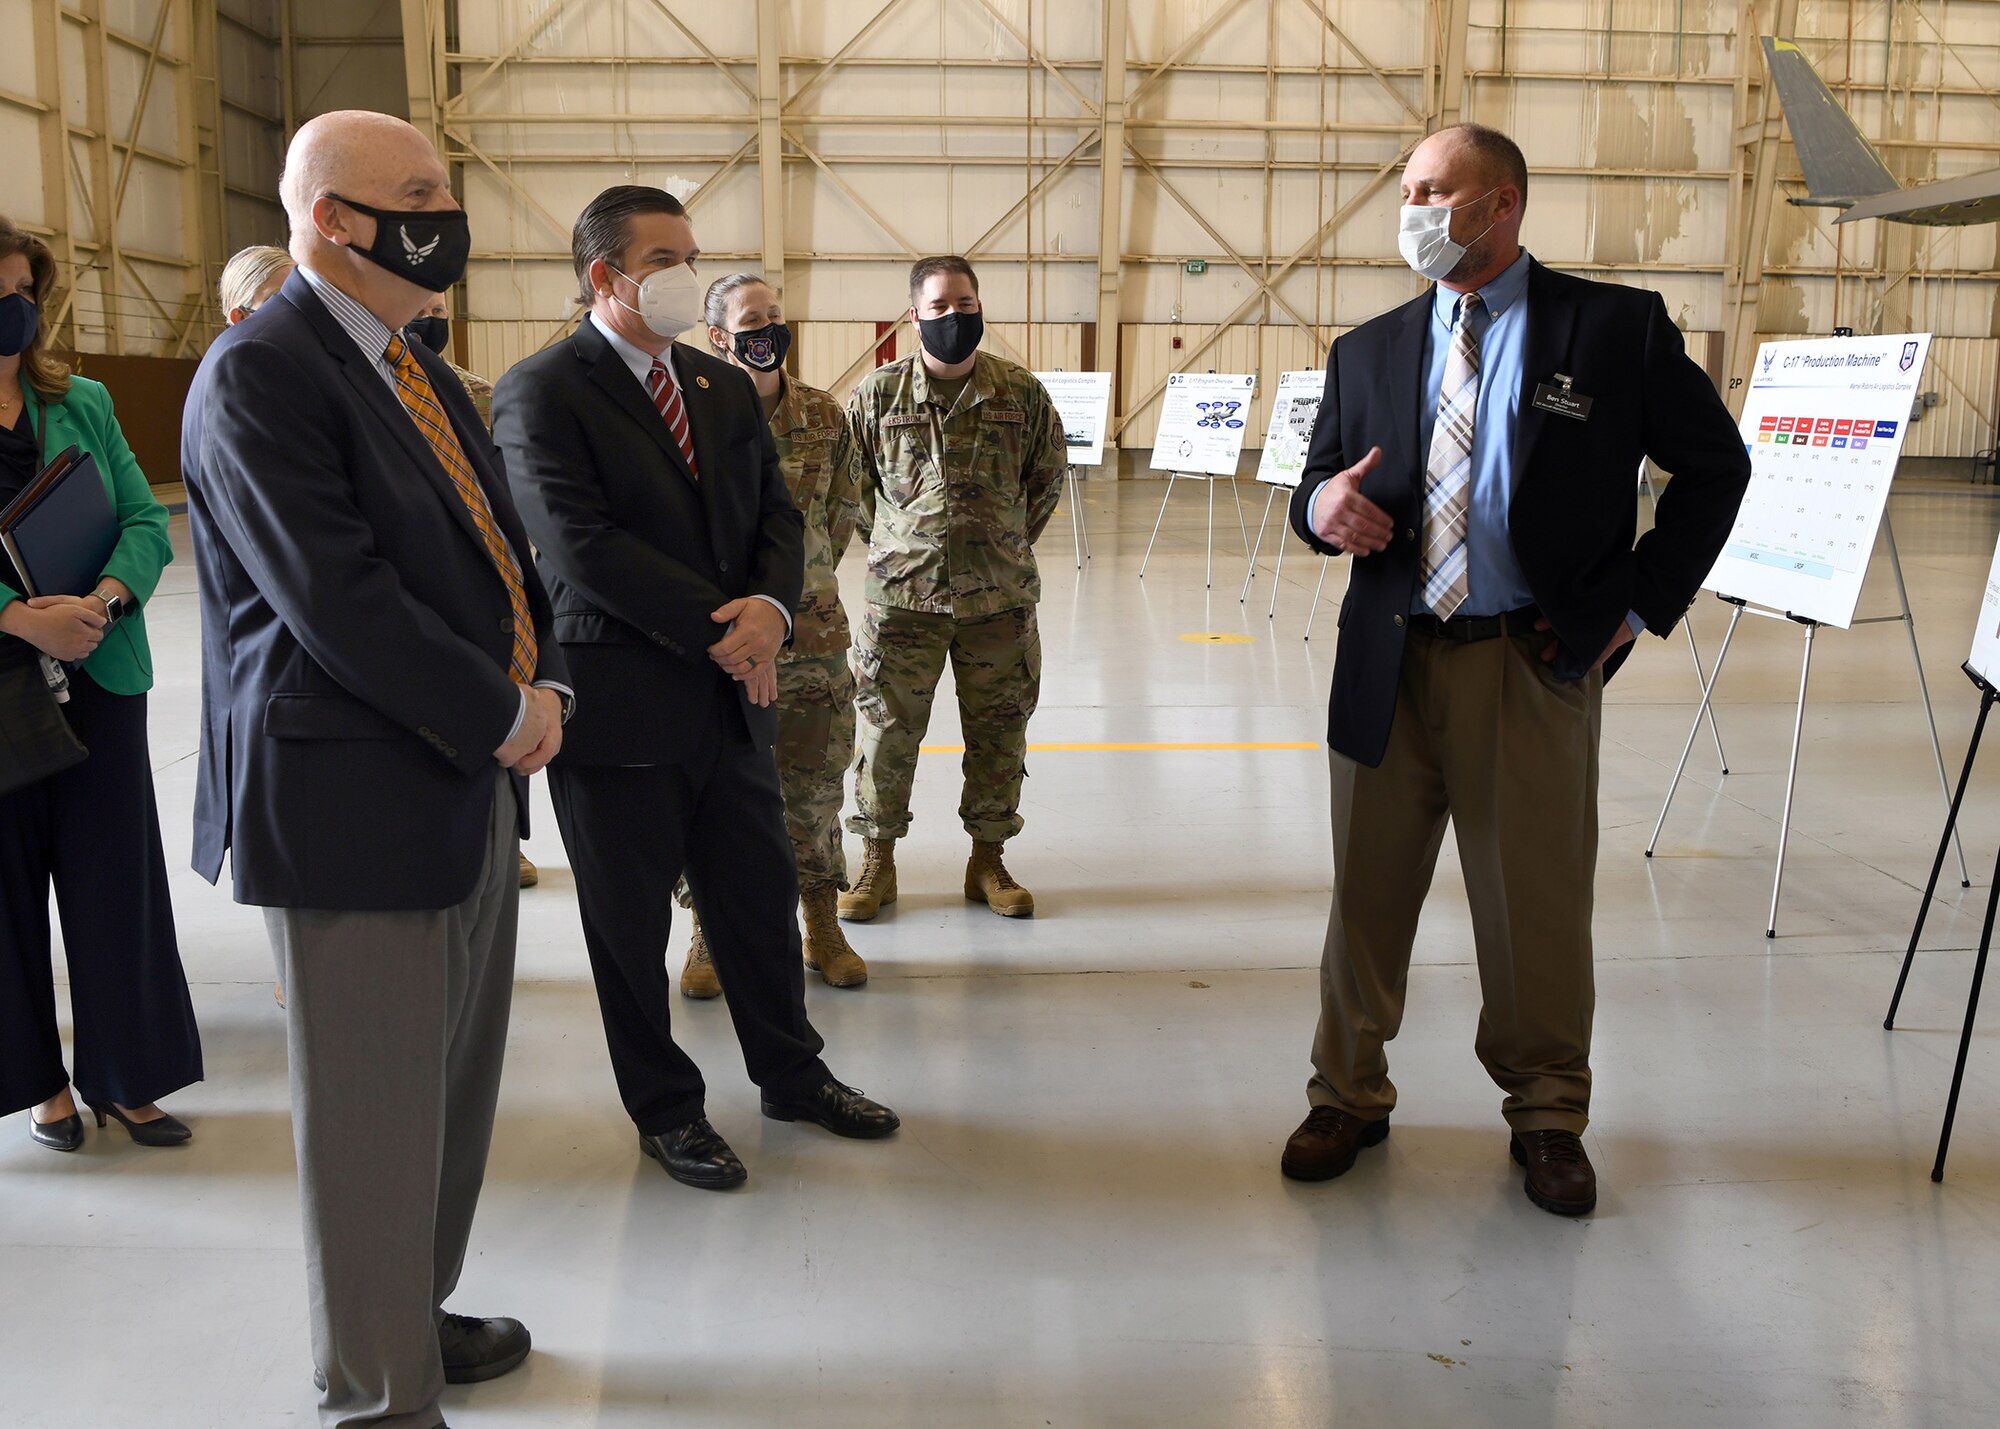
[826, 143]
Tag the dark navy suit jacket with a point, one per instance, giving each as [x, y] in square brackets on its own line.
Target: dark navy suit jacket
[355, 632]
[1574, 515]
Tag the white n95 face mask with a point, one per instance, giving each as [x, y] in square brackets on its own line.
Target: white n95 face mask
[1425, 237]
[670, 300]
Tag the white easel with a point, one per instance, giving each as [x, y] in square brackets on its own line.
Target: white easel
[1073, 493]
[1208, 579]
[1743, 608]
[1701, 676]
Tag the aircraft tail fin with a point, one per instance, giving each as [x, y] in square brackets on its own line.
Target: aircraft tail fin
[1840, 165]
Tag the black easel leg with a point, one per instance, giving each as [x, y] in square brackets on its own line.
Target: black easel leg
[1971, 1013]
[1937, 866]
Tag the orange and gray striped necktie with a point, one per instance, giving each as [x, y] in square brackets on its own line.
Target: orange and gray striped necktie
[413, 388]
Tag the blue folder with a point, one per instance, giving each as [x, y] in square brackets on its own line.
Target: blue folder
[60, 531]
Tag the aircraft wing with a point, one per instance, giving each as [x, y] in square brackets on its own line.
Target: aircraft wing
[1970, 198]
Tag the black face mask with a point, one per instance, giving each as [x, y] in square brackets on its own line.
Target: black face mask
[764, 348]
[954, 337]
[18, 320]
[430, 330]
[427, 246]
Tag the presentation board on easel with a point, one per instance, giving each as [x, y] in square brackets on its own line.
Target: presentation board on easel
[1824, 422]
[1083, 400]
[1202, 423]
[1984, 661]
[1293, 410]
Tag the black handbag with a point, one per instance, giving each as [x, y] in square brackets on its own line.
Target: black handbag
[35, 740]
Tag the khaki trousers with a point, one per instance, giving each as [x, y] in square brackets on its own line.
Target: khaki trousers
[1486, 737]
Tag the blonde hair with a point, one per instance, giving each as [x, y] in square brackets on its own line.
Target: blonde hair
[39, 370]
[246, 275]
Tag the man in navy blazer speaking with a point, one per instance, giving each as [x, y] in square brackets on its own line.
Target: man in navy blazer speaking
[1475, 455]
[379, 679]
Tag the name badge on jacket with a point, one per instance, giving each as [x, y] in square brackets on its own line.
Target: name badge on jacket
[1560, 398]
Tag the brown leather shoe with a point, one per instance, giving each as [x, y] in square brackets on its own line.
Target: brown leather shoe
[1327, 1142]
[1560, 1178]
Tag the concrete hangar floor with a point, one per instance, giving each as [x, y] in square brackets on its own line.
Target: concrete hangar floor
[1082, 1222]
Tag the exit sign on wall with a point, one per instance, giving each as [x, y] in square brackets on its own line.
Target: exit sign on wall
[1196, 266]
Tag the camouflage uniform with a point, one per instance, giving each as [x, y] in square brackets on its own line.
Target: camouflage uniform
[817, 455]
[478, 389]
[952, 502]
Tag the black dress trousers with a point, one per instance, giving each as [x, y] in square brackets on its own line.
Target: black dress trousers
[94, 832]
[631, 831]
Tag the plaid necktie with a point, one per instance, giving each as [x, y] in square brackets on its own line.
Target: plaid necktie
[667, 397]
[1448, 474]
[420, 401]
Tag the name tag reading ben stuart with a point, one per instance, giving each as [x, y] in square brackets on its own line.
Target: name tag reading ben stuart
[1559, 397]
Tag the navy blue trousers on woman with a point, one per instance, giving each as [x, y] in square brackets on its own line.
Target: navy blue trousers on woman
[93, 831]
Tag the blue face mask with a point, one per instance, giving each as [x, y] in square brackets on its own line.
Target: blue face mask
[18, 321]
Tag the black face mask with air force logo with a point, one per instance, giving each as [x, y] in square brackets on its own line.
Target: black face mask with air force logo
[427, 246]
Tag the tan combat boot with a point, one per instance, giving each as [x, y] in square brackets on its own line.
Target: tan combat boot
[875, 889]
[698, 977]
[988, 881]
[530, 876]
[827, 952]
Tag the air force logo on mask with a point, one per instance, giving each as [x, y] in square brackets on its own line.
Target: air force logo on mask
[760, 351]
[411, 251]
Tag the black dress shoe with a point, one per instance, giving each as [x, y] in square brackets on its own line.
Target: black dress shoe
[162, 1130]
[840, 1109]
[695, 1155]
[64, 1135]
[475, 1349]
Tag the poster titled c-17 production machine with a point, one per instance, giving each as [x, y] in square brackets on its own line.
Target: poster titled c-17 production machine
[1203, 417]
[1824, 422]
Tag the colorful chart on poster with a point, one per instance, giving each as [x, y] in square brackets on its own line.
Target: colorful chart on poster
[1082, 399]
[1824, 422]
[1293, 411]
[1202, 420]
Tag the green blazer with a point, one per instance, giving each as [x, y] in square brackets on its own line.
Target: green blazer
[123, 664]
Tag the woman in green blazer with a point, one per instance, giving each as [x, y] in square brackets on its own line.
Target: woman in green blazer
[92, 831]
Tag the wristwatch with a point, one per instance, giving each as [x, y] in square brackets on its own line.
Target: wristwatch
[115, 606]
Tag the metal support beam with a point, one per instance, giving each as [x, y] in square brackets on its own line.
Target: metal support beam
[771, 144]
[1750, 226]
[1455, 18]
[100, 183]
[1111, 193]
[54, 136]
[423, 65]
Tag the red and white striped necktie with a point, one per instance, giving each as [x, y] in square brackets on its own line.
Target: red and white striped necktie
[667, 397]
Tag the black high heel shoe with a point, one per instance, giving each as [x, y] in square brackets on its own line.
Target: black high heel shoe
[64, 1135]
[162, 1131]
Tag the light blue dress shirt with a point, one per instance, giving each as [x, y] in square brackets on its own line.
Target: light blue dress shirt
[1494, 579]
[1495, 582]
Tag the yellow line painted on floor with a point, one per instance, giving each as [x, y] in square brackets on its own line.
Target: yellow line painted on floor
[1218, 637]
[1127, 748]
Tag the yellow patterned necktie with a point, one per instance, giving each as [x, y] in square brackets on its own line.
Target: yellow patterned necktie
[413, 388]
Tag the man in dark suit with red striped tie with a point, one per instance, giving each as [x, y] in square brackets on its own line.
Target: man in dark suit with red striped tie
[647, 478]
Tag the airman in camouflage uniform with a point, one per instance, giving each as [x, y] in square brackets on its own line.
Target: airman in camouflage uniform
[962, 456]
[815, 687]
